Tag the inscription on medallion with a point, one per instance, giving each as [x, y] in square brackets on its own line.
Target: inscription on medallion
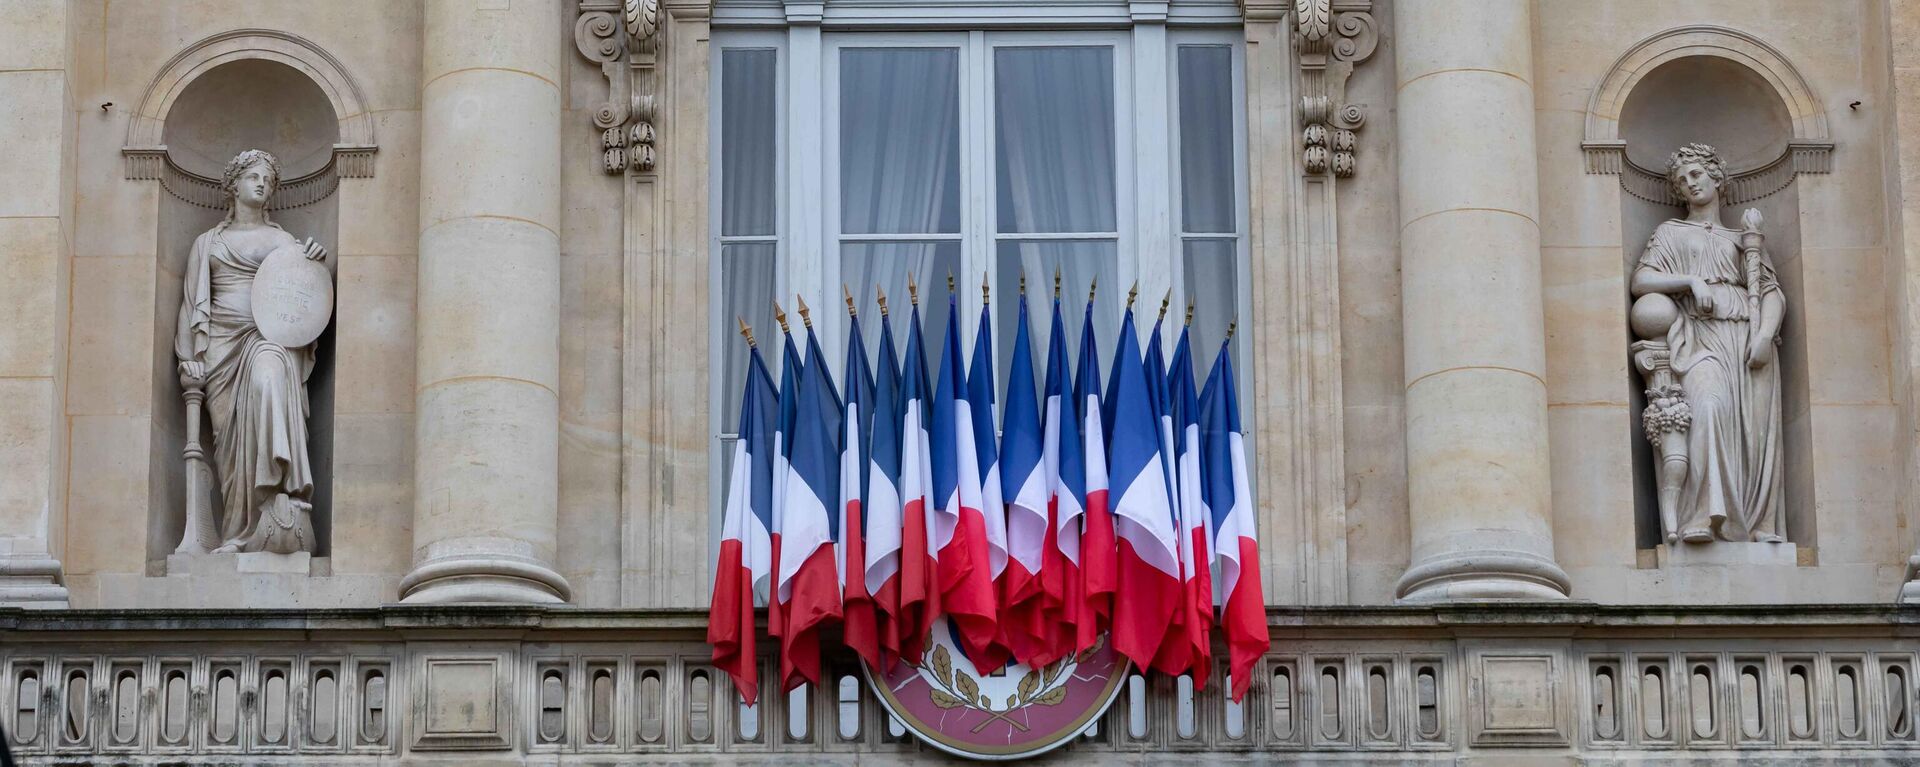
[292, 297]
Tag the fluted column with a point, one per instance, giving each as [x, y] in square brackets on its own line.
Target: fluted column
[1477, 466]
[487, 429]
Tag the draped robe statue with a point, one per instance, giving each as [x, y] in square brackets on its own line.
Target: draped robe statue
[1709, 310]
[256, 394]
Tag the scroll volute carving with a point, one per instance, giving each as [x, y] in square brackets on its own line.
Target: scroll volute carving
[621, 36]
[1331, 36]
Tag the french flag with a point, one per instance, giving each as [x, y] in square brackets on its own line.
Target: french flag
[809, 582]
[993, 509]
[1029, 619]
[1175, 652]
[746, 544]
[1064, 456]
[1229, 499]
[960, 526]
[1098, 550]
[919, 560]
[1148, 563]
[787, 412]
[1196, 526]
[881, 509]
[862, 629]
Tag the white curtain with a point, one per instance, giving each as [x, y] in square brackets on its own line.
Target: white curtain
[1055, 169]
[900, 175]
[748, 208]
[1207, 194]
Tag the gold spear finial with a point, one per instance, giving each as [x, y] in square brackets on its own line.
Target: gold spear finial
[1189, 312]
[1093, 286]
[1132, 293]
[1230, 327]
[1023, 282]
[1056, 283]
[882, 293]
[780, 316]
[851, 312]
[913, 290]
[1164, 302]
[805, 318]
[745, 331]
[950, 290]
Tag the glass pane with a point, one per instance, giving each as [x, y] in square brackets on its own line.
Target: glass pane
[1212, 284]
[748, 141]
[747, 271]
[1079, 263]
[886, 265]
[1206, 138]
[899, 140]
[1054, 139]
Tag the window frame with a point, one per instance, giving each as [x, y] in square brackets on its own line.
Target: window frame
[814, 268]
[720, 330]
[979, 236]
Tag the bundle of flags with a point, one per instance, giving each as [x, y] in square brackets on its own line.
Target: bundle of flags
[891, 500]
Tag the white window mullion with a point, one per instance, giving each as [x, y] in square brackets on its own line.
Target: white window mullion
[806, 238]
[977, 186]
[1151, 170]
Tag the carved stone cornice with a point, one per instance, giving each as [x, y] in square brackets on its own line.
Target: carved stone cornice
[1330, 37]
[621, 36]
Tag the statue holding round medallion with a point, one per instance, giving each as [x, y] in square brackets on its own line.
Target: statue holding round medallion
[1707, 312]
[255, 300]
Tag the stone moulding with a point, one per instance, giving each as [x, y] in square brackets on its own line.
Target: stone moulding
[622, 37]
[1330, 38]
[1809, 151]
[145, 152]
[153, 163]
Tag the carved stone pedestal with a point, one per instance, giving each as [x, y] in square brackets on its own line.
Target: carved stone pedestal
[301, 563]
[1728, 554]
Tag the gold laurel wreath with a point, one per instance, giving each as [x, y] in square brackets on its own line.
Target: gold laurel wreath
[1039, 687]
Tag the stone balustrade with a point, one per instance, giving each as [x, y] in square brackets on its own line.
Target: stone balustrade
[433, 685]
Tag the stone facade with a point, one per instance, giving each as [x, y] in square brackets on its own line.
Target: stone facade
[1442, 203]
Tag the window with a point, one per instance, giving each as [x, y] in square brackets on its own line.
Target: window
[858, 158]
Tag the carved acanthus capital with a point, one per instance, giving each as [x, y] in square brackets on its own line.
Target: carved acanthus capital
[1330, 37]
[621, 36]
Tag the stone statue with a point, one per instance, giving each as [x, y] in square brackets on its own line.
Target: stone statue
[254, 386]
[1707, 312]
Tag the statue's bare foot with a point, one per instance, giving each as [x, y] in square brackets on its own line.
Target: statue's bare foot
[1696, 535]
[1768, 538]
[227, 549]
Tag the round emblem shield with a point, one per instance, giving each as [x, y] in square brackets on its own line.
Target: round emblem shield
[1012, 712]
[292, 297]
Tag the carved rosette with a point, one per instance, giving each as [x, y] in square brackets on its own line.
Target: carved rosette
[1331, 36]
[620, 36]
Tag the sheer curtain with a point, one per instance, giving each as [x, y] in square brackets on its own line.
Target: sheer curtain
[1209, 201]
[900, 181]
[1055, 190]
[749, 212]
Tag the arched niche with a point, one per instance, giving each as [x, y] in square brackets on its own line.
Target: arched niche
[1733, 92]
[1802, 145]
[145, 149]
[240, 90]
